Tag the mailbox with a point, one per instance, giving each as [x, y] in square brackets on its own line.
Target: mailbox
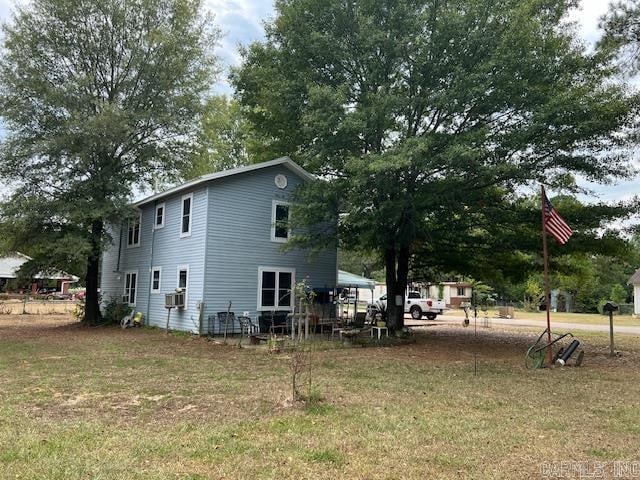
[609, 308]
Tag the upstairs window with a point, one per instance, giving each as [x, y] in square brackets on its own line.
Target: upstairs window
[159, 219]
[130, 288]
[275, 289]
[133, 231]
[280, 221]
[185, 226]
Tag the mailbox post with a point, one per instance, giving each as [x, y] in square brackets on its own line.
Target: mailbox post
[609, 308]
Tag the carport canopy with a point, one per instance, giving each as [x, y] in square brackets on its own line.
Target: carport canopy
[351, 280]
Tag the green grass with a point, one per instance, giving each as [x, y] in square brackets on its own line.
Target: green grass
[137, 404]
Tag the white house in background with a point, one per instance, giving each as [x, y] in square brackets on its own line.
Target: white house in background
[635, 281]
[453, 293]
[9, 266]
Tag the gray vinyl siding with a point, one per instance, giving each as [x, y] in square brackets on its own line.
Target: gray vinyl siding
[164, 248]
[110, 282]
[136, 258]
[230, 239]
[171, 251]
[239, 242]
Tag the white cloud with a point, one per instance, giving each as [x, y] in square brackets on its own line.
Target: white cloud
[587, 17]
[241, 23]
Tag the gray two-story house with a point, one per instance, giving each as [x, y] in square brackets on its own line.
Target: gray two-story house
[218, 238]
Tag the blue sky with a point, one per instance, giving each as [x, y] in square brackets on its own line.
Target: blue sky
[241, 22]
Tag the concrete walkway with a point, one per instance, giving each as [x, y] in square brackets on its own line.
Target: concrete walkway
[568, 327]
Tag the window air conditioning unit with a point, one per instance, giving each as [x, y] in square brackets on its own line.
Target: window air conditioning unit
[174, 300]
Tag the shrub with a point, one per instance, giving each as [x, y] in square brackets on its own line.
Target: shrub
[115, 311]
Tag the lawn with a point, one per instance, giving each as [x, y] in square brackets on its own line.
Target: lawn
[81, 402]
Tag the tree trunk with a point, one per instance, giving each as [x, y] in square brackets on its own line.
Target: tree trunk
[397, 270]
[92, 307]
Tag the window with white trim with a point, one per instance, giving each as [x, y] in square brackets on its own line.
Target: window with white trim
[275, 288]
[183, 280]
[130, 287]
[156, 275]
[280, 221]
[133, 231]
[158, 221]
[460, 291]
[185, 215]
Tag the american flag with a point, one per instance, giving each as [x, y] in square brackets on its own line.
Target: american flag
[554, 224]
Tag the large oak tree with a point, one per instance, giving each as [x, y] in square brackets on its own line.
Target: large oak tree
[98, 97]
[416, 112]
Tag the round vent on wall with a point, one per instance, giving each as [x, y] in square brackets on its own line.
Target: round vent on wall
[281, 181]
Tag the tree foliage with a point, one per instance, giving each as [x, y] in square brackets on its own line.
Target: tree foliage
[423, 117]
[367, 264]
[98, 97]
[225, 140]
[621, 27]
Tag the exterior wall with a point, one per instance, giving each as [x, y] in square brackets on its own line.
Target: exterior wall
[170, 252]
[450, 294]
[111, 283]
[230, 239]
[239, 242]
[636, 299]
[455, 300]
[165, 248]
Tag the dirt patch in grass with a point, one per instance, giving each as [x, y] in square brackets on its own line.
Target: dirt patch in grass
[80, 402]
[22, 327]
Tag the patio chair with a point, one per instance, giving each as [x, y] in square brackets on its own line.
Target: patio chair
[337, 326]
[247, 325]
[226, 324]
[359, 319]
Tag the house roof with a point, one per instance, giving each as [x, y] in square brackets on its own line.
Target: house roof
[635, 278]
[351, 280]
[284, 161]
[10, 264]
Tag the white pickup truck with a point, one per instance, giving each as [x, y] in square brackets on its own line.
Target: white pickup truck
[419, 307]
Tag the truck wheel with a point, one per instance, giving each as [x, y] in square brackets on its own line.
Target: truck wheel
[416, 313]
[431, 316]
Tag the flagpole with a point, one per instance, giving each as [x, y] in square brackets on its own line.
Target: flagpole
[547, 293]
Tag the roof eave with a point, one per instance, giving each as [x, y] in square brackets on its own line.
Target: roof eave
[284, 161]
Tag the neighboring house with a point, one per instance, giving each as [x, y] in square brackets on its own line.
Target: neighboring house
[379, 290]
[561, 301]
[453, 293]
[635, 281]
[220, 239]
[10, 265]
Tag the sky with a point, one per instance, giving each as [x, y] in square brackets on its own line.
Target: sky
[241, 22]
